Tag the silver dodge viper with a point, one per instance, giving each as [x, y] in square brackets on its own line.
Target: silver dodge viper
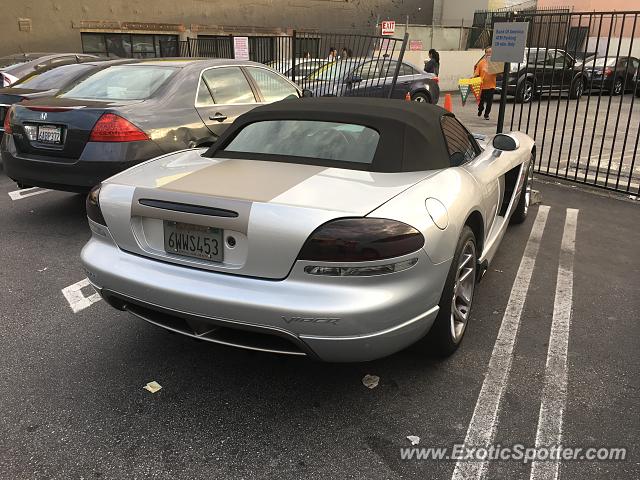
[343, 229]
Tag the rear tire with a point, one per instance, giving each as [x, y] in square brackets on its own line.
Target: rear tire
[525, 91]
[522, 209]
[450, 325]
[420, 97]
[577, 89]
[618, 85]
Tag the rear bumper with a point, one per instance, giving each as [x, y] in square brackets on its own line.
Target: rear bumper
[98, 162]
[332, 319]
[600, 83]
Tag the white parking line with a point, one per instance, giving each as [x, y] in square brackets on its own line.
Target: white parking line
[75, 297]
[27, 192]
[554, 394]
[482, 427]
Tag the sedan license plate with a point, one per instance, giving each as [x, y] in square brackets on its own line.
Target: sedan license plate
[50, 134]
[195, 241]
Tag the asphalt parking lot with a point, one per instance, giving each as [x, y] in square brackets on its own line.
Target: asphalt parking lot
[73, 405]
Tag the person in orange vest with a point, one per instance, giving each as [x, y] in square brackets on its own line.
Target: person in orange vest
[488, 85]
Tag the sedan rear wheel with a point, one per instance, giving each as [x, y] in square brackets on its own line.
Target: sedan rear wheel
[577, 89]
[457, 297]
[617, 86]
[525, 91]
[420, 97]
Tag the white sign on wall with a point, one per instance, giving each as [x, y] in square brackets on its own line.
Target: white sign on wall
[509, 41]
[388, 27]
[241, 48]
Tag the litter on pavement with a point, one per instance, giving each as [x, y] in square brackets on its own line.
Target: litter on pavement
[370, 381]
[152, 387]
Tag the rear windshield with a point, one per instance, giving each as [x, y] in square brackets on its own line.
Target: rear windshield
[122, 82]
[7, 64]
[333, 70]
[19, 70]
[53, 78]
[600, 62]
[307, 138]
[538, 56]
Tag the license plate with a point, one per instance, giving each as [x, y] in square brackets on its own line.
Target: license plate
[49, 134]
[193, 241]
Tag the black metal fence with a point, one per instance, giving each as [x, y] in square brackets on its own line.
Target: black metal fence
[576, 94]
[326, 63]
[481, 33]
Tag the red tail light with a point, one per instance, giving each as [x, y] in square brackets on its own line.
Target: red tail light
[7, 124]
[113, 128]
[360, 240]
[608, 72]
[436, 79]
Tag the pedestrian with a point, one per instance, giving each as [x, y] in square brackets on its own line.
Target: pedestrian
[433, 64]
[487, 85]
[333, 54]
[345, 53]
[307, 55]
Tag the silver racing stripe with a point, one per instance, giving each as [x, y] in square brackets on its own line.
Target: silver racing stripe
[250, 180]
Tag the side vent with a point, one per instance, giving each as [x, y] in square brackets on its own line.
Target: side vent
[510, 182]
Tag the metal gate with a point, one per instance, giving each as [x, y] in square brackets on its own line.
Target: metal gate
[326, 63]
[576, 93]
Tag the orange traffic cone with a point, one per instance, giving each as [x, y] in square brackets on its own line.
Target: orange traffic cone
[407, 97]
[448, 104]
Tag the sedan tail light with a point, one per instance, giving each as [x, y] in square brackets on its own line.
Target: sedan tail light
[113, 128]
[7, 121]
[608, 72]
[361, 240]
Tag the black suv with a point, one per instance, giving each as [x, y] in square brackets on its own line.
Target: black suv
[544, 71]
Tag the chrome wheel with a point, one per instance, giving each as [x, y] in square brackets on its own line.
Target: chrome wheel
[465, 282]
[617, 87]
[420, 98]
[527, 95]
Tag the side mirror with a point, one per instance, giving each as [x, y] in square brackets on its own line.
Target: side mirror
[354, 79]
[505, 143]
[306, 93]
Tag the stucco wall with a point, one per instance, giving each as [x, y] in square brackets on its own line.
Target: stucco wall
[55, 25]
[457, 12]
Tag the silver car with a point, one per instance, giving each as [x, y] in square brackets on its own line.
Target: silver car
[344, 229]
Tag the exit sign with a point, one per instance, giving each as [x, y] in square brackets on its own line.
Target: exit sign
[388, 27]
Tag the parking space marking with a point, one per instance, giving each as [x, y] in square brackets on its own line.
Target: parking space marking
[554, 393]
[482, 427]
[27, 192]
[76, 299]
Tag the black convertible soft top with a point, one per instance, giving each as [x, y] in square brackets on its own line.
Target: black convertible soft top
[411, 137]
